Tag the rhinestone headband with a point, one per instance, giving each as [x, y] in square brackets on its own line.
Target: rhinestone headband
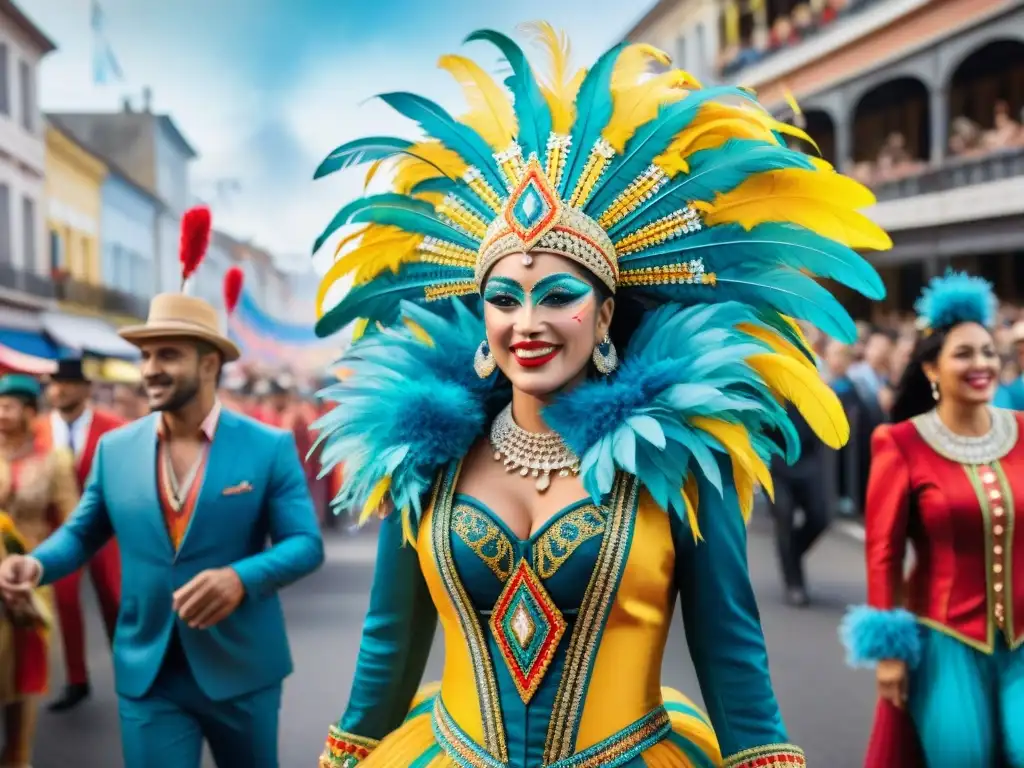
[534, 218]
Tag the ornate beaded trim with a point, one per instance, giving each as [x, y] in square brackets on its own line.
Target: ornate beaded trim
[486, 539]
[563, 538]
[528, 627]
[999, 441]
[575, 236]
[995, 499]
[617, 750]
[483, 670]
[597, 601]
[345, 750]
[768, 755]
[1009, 507]
[456, 744]
[623, 747]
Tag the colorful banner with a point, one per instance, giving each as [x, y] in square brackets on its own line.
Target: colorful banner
[265, 339]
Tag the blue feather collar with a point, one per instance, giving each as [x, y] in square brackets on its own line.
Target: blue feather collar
[411, 403]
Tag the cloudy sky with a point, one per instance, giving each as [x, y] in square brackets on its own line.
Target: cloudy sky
[264, 89]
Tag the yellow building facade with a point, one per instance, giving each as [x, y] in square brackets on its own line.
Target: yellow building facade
[74, 183]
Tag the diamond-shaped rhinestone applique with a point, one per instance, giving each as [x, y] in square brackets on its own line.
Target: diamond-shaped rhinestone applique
[530, 207]
[527, 626]
[533, 207]
[522, 625]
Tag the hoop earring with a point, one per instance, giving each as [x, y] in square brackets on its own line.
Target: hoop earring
[935, 391]
[483, 361]
[605, 358]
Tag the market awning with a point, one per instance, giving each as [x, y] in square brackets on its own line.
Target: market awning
[26, 342]
[13, 360]
[87, 335]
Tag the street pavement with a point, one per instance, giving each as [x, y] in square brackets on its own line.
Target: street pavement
[827, 707]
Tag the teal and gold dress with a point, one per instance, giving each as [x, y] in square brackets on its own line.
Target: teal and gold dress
[553, 646]
[684, 203]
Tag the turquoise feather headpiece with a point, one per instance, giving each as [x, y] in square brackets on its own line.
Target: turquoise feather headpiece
[662, 189]
[956, 298]
[684, 199]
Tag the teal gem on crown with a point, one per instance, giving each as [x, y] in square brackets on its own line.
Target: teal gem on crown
[531, 207]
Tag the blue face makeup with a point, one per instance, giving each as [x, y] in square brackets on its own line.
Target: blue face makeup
[504, 292]
[558, 290]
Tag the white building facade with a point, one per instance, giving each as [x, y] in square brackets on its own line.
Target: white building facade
[23, 249]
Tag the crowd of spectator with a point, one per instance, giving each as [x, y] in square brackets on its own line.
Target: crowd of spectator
[967, 139]
[779, 31]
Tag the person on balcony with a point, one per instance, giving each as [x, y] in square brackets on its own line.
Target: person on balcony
[1005, 132]
[948, 477]
[73, 424]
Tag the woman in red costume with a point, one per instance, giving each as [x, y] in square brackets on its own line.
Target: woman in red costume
[946, 476]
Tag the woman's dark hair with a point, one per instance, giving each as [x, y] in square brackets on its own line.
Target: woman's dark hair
[914, 392]
[627, 317]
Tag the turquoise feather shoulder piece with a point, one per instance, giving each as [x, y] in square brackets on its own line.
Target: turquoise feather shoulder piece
[691, 387]
[410, 403]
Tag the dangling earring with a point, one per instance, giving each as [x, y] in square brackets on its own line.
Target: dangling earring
[935, 391]
[483, 361]
[606, 359]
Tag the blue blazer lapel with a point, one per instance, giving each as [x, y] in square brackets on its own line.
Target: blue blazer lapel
[222, 455]
[146, 481]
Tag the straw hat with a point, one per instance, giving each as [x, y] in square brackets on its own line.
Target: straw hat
[177, 316]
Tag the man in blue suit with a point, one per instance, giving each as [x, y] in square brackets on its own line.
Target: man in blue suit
[193, 493]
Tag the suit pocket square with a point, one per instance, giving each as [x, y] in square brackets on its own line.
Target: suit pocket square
[234, 490]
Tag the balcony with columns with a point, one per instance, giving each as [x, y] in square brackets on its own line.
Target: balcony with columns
[938, 135]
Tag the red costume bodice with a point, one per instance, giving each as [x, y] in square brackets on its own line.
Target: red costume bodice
[968, 578]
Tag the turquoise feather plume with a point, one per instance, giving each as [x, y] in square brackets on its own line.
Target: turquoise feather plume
[649, 141]
[957, 297]
[763, 247]
[410, 214]
[381, 299]
[360, 151]
[438, 124]
[712, 172]
[457, 187]
[407, 408]
[532, 111]
[783, 290]
[593, 111]
[640, 420]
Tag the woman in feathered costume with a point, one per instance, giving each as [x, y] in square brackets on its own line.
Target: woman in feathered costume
[576, 330]
[947, 476]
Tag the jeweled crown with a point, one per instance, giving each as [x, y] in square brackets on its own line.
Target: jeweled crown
[535, 219]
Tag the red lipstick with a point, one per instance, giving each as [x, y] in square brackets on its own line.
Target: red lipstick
[534, 354]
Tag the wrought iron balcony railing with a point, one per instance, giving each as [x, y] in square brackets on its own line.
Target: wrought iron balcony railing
[27, 282]
[954, 173]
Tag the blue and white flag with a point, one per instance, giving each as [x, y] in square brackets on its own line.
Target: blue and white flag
[105, 67]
